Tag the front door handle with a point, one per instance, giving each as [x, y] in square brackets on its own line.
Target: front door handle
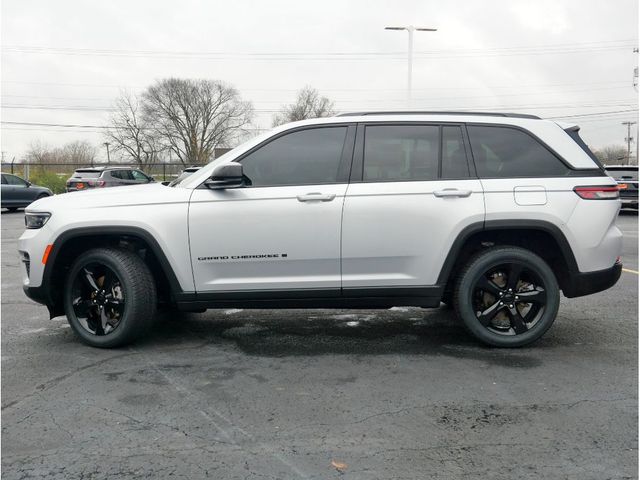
[316, 197]
[452, 192]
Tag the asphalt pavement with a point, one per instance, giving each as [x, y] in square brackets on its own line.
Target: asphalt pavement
[319, 394]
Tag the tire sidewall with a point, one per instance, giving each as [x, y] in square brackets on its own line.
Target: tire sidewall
[127, 326]
[488, 260]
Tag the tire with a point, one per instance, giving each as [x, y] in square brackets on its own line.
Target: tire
[120, 283]
[501, 317]
[42, 195]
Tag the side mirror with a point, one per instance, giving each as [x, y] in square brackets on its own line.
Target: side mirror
[224, 176]
[28, 183]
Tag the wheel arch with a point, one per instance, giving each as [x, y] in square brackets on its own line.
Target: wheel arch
[542, 237]
[74, 241]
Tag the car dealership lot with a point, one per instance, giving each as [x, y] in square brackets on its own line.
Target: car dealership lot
[401, 393]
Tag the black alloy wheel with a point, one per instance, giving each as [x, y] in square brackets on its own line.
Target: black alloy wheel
[507, 296]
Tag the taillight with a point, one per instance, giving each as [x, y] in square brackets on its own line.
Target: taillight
[607, 192]
[623, 186]
[96, 183]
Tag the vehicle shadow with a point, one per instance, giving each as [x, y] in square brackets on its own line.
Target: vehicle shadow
[284, 333]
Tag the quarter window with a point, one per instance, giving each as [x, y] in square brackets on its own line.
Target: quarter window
[305, 157]
[394, 153]
[501, 152]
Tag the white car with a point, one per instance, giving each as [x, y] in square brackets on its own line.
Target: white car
[494, 214]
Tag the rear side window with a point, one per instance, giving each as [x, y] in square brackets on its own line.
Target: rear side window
[306, 157]
[395, 153]
[502, 152]
[454, 157]
[122, 174]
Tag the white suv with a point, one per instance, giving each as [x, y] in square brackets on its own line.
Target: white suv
[492, 214]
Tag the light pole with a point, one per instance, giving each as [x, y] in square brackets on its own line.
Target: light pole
[410, 29]
[106, 144]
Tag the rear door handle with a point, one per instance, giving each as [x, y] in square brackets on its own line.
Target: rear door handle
[316, 197]
[452, 192]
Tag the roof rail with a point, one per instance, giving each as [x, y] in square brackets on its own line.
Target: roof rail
[408, 112]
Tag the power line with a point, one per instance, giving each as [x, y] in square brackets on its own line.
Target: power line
[590, 47]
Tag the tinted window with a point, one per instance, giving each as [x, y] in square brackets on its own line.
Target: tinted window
[122, 174]
[623, 173]
[400, 153]
[454, 157]
[501, 152]
[4, 180]
[305, 157]
[138, 175]
[13, 180]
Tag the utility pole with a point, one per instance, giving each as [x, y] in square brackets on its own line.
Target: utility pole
[410, 29]
[629, 139]
[106, 144]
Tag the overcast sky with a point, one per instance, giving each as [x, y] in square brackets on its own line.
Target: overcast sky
[64, 61]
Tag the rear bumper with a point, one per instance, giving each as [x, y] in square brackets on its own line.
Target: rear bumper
[581, 284]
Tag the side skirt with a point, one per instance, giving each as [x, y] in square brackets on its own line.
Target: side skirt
[356, 298]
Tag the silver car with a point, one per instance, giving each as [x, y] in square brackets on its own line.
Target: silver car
[101, 177]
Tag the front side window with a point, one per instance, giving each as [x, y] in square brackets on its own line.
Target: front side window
[16, 181]
[503, 152]
[305, 157]
[139, 176]
[395, 153]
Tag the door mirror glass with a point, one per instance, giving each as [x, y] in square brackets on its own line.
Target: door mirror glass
[226, 176]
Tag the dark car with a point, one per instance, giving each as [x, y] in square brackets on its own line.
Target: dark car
[18, 193]
[627, 178]
[101, 177]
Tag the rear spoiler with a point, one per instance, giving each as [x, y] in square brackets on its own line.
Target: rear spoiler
[572, 131]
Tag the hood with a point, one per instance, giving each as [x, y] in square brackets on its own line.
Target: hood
[149, 194]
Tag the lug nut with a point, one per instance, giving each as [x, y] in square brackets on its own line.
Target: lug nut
[510, 306]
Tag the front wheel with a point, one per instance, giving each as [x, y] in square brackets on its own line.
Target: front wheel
[109, 297]
[507, 296]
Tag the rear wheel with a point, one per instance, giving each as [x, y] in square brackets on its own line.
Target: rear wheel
[507, 296]
[110, 297]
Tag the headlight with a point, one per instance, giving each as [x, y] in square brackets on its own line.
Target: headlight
[36, 220]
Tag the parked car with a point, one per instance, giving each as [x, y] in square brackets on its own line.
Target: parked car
[627, 178]
[494, 214]
[184, 174]
[18, 192]
[101, 177]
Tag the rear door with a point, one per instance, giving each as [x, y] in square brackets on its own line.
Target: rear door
[412, 192]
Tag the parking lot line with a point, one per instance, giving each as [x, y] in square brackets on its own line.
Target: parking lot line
[630, 271]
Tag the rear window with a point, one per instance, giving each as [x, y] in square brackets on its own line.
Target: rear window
[622, 173]
[503, 152]
[86, 174]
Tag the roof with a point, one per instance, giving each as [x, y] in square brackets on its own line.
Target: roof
[410, 112]
[103, 168]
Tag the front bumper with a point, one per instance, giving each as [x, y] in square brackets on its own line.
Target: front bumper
[581, 284]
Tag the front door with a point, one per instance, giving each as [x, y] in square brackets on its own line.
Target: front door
[282, 231]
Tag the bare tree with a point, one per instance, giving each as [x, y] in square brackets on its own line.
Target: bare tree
[193, 117]
[130, 134]
[612, 154]
[79, 152]
[309, 104]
